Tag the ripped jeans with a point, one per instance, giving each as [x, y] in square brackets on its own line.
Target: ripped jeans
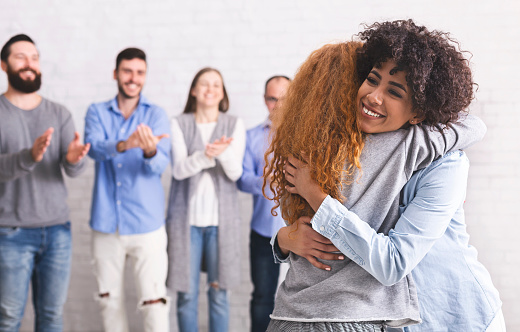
[204, 248]
[147, 253]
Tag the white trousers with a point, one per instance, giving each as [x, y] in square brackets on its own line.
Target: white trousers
[147, 253]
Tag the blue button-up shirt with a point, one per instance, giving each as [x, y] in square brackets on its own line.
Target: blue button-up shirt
[429, 240]
[257, 142]
[128, 196]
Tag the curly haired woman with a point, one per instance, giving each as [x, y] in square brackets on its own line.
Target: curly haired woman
[410, 76]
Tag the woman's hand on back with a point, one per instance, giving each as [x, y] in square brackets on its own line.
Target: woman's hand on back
[298, 174]
[301, 239]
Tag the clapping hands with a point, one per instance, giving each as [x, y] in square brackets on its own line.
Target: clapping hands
[217, 147]
[144, 139]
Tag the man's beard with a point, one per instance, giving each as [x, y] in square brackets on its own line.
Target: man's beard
[25, 86]
[123, 93]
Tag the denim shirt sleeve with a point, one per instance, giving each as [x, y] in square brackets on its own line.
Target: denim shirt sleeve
[437, 191]
[250, 181]
[159, 125]
[101, 149]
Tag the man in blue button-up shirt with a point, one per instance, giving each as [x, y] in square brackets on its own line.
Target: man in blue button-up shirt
[128, 137]
[264, 271]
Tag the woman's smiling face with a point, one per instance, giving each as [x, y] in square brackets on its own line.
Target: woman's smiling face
[209, 89]
[385, 101]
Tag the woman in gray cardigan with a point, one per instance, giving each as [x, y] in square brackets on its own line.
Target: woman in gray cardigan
[203, 222]
[417, 78]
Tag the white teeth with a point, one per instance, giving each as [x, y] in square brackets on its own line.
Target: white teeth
[372, 113]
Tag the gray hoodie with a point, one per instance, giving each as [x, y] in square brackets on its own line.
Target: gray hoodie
[348, 293]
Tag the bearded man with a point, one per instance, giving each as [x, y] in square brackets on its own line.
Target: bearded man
[37, 142]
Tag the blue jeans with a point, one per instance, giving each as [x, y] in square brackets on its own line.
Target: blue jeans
[204, 249]
[264, 274]
[40, 256]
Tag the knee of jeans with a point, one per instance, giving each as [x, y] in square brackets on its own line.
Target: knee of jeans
[186, 297]
[10, 318]
[49, 314]
[214, 285]
[216, 293]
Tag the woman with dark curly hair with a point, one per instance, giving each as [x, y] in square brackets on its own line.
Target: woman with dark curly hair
[411, 76]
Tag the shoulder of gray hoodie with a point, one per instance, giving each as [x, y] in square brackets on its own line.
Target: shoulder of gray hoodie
[388, 161]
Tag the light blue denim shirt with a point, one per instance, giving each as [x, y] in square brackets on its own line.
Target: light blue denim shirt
[429, 240]
[128, 196]
[257, 142]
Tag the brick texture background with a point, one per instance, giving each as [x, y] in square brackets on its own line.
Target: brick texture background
[249, 41]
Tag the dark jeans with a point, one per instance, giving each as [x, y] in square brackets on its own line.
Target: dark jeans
[264, 274]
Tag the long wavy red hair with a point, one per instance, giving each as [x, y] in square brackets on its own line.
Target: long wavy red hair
[317, 119]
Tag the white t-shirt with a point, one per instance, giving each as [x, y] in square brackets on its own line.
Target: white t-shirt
[203, 205]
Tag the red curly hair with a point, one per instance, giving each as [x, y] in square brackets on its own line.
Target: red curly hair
[317, 119]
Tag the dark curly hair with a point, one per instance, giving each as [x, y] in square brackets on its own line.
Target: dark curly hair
[436, 69]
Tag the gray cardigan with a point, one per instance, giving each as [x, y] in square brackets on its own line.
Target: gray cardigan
[177, 225]
[348, 293]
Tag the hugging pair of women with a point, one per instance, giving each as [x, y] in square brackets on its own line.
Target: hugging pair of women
[366, 164]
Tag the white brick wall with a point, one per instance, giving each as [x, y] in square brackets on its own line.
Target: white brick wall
[249, 41]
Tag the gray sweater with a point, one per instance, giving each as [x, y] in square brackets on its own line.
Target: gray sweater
[34, 194]
[348, 293]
